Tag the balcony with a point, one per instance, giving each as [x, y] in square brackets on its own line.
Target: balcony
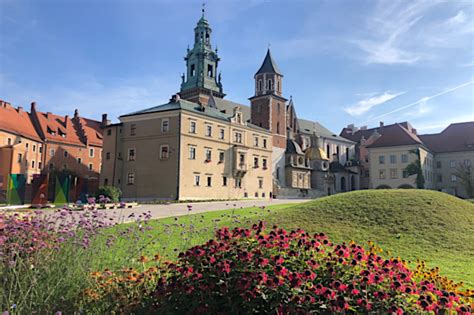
[240, 169]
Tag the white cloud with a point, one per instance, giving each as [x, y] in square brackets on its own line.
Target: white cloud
[365, 105]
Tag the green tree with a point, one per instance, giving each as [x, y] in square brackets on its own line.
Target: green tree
[415, 168]
[466, 177]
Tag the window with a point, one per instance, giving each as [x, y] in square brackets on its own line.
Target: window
[452, 163]
[338, 152]
[90, 166]
[260, 183]
[393, 173]
[133, 129]
[209, 181]
[197, 180]
[107, 156]
[51, 166]
[381, 159]
[9, 141]
[106, 181]
[34, 148]
[193, 70]
[32, 164]
[131, 178]
[66, 154]
[39, 165]
[131, 154]
[264, 164]
[260, 85]
[382, 174]
[224, 181]
[255, 162]
[278, 128]
[192, 127]
[238, 183]
[393, 159]
[79, 160]
[278, 108]
[221, 134]
[255, 141]
[209, 71]
[64, 166]
[165, 125]
[440, 178]
[405, 174]
[265, 143]
[209, 131]
[192, 152]
[91, 152]
[164, 151]
[40, 149]
[270, 85]
[347, 154]
[404, 158]
[51, 152]
[26, 145]
[438, 164]
[238, 137]
[20, 157]
[256, 195]
[241, 159]
[221, 156]
[467, 162]
[328, 150]
[453, 178]
[109, 133]
[208, 153]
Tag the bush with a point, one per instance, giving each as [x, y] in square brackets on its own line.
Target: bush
[111, 192]
[246, 271]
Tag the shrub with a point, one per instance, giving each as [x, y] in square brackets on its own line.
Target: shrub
[247, 271]
[111, 192]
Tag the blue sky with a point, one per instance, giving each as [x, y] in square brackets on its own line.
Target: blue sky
[344, 61]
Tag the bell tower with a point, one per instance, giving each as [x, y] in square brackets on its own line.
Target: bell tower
[201, 78]
[268, 106]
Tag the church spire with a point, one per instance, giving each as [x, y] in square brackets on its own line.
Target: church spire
[269, 65]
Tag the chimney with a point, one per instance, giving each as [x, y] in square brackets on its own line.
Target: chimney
[381, 124]
[105, 121]
[20, 109]
[48, 115]
[350, 127]
[413, 130]
[33, 107]
[363, 128]
[174, 98]
[76, 113]
[66, 118]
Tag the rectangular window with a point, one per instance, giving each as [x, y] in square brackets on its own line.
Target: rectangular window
[133, 129]
[382, 174]
[32, 164]
[165, 125]
[66, 154]
[79, 160]
[221, 156]
[51, 152]
[265, 143]
[440, 178]
[255, 141]
[164, 151]
[264, 164]
[224, 181]
[131, 179]
[109, 132]
[260, 183]
[221, 134]
[20, 157]
[381, 159]
[453, 178]
[192, 152]
[238, 183]
[438, 164]
[34, 148]
[208, 155]
[107, 156]
[197, 180]
[405, 174]
[255, 162]
[393, 173]
[242, 159]
[238, 137]
[192, 127]
[393, 159]
[26, 145]
[91, 152]
[39, 165]
[131, 154]
[404, 158]
[208, 131]
[90, 166]
[209, 181]
[452, 163]
[467, 162]
[40, 149]
[9, 141]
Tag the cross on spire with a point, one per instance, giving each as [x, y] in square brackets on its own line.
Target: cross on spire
[203, 8]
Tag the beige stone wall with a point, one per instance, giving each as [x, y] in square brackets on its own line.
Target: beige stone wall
[446, 165]
[110, 173]
[393, 172]
[256, 182]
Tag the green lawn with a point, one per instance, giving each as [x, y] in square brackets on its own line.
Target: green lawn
[433, 226]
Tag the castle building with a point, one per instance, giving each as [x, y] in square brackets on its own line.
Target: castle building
[200, 145]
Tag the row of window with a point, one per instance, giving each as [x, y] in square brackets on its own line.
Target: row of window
[453, 163]
[27, 145]
[52, 152]
[393, 172]
[393, 159]
[338, 150]
[33, 163]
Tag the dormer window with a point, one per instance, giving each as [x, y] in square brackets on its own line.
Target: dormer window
[61, 133]
[51, 131]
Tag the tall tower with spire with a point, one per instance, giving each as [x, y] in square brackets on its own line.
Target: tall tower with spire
[268, 106]
[201, 78]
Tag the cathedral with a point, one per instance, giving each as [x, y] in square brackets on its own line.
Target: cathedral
[305, 159]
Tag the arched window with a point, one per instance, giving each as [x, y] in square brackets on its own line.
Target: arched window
[260, 85]
[278, 86]
[277, 173]
[278, 127]
[270, 84]
[278, 108]
[328, 151]
[343, 184]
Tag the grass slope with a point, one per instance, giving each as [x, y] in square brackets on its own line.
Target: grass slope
[430, 225]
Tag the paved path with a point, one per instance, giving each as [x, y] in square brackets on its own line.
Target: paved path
[178, 209]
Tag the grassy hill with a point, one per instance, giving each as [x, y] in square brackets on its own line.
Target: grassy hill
[430, 225]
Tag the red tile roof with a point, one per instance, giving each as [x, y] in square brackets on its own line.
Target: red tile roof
[92, 131]
[456, 137]
[58, 128]
[395, 135]
[17, 121]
